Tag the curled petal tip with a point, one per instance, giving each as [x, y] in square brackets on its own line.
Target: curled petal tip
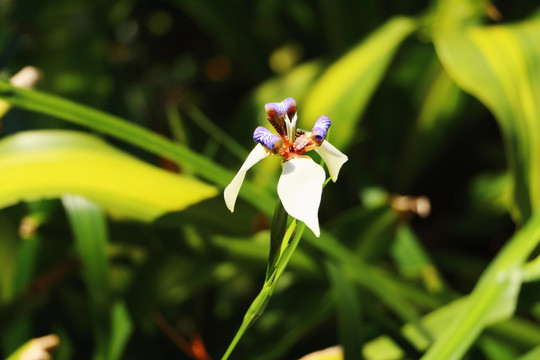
[265, 137]
[333, 158]
[289, 106]
[320, 129]
[273, 109]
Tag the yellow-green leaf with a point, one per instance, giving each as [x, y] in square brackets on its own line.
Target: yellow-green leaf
[38, 164]
[500, 65]
[344, 89]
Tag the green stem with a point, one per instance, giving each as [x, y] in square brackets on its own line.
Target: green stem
[259, 304]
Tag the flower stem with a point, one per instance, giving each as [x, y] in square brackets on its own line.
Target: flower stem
[259, 304]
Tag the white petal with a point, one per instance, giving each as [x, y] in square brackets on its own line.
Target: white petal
[231, 191]
[300, 189]
[333, 158]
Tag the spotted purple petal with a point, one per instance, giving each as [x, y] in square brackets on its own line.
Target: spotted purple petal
[265, 137]
[321, 128]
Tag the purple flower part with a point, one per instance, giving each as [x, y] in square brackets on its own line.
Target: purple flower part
[321, 128]
[265, 137]
[289, 107]
[275, 112]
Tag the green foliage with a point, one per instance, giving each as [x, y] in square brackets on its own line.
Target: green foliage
[114, 233]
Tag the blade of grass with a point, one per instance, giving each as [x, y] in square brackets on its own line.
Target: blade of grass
[89, 227]
[343, 90]
[220, 136]
[348, 312]
[121, 329]
[499, 66]
[533, 354]
[131, 133]
[493, 298]
[48, 163]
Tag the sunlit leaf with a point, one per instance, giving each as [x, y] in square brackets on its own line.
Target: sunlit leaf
[382, 348]
[500, 66]
[112, 125]
[331, 353]
[36, 349]
[344, 89]
[51, 163]
[531, 355]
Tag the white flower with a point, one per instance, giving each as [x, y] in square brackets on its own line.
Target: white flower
[301, 181]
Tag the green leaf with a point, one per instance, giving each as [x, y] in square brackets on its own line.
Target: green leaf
[348, 312]
[121, 329]
[441, 109]
[277, 233]
[9, 246]
[344, 89]
[112, 324]
[534, 354]
[41, 164]
[37, 348]
[495, 349]
[382, 348]
[89, 227]
[493, 298]
[412, 259]
[112, 125]
[371, 278]
[500, 66]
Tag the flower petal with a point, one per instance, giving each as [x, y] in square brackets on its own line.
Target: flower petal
[320, 129]
[300, 189]
[231, 191]
[333, 158]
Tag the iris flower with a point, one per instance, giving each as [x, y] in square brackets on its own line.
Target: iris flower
[301, 182]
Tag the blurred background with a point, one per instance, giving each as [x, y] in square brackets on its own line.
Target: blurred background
[199, 73]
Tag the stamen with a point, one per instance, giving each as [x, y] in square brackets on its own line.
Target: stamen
[283, 117]
[320, 128]
[265, 137]
[291, 127]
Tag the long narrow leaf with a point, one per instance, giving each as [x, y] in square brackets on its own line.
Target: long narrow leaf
[343, 90]
[500, 66]
[494, 297]
[89, 227]
[133, 134]
[348, 312]
[51, 163]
